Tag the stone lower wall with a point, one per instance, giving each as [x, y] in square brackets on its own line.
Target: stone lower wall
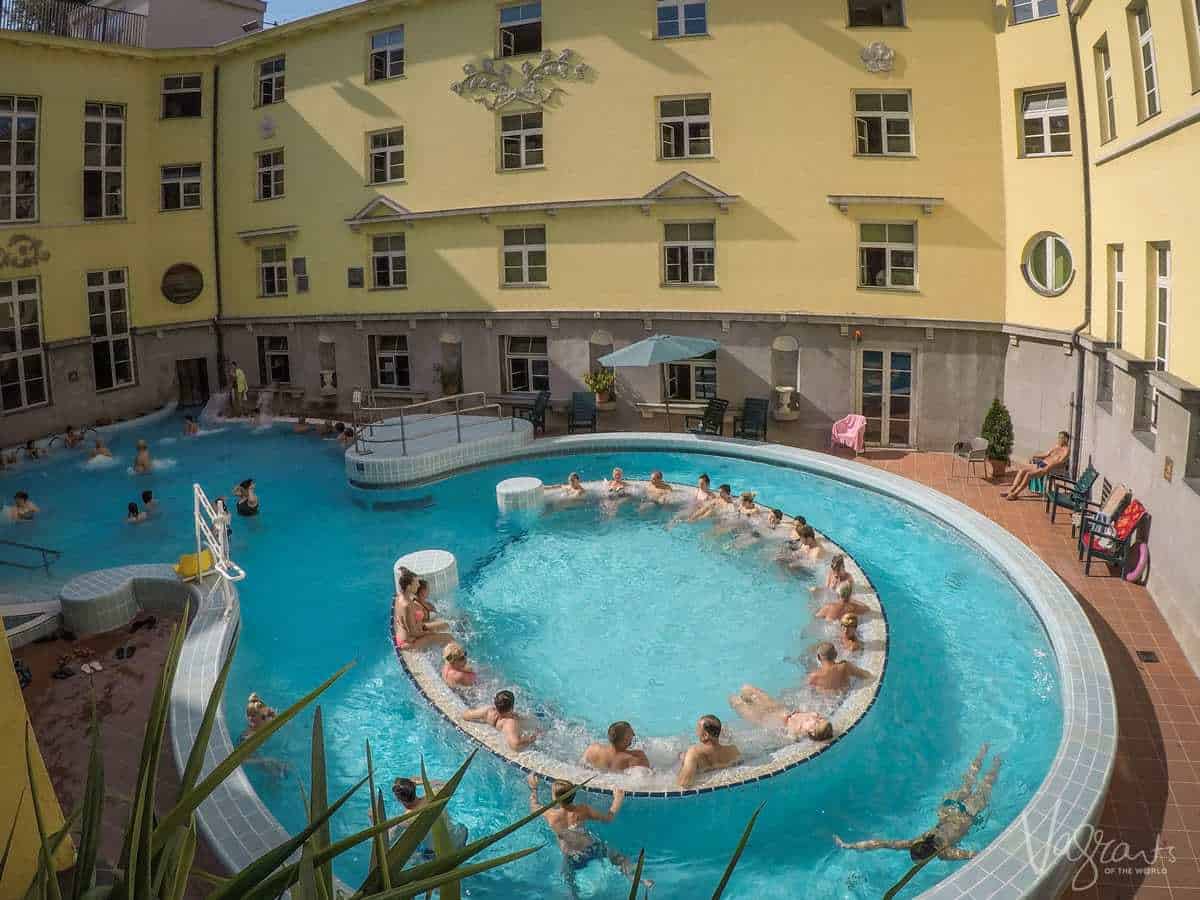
[1039, 386]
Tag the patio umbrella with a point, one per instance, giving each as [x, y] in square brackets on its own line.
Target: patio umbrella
[660, 349]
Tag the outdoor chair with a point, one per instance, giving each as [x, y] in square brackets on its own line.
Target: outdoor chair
[849, 431]
[1074, 495]
[1111, 542]
[582, 413]
[973, 452]
[712, 421]
[752, 424]
[537, 413]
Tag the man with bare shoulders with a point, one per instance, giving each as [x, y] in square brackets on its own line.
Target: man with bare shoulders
[500, 715]
[616, 755]
[1042, 464]
[833, 674]
[842, 605]
[707, 755]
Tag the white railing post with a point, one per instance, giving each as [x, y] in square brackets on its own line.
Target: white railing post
[212, 533]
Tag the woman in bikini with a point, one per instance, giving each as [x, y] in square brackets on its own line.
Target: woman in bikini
[247, 499]
[413, 630]
[757, 706]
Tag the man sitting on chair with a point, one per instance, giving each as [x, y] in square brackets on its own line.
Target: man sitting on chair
[1041, 465]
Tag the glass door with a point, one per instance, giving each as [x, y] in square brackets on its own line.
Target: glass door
[886, 396]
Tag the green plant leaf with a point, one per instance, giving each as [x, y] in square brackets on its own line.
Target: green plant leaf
[737, 854]
[637, 874]
[195, 761]
[320, 800]
[11, 831]
[84, 876]
[379, 842]
[177, 883]
[442, 845]
[46, 868]
[896, 888]
[428, 884]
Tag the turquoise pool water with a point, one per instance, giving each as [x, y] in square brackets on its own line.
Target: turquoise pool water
[592, 618]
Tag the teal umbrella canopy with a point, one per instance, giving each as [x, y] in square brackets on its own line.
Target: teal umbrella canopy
[659, 348]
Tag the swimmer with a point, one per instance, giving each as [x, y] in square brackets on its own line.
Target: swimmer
[657, 490]
[568, 820]
[833, 674]
[573, 489]
[959, 811]
[32, 451]
[135, 515]
[142, 462]
[100, 450]
[455, 671]
[703, 489]
[72, 438]
[23, 509]
[301, 426]
[757, 706]
[405, 792]
[806, 549]
[720, 505]
[850, 639]
[148, 502]
[247, 499]
[346, 438]
[617, 485]
[837, 576]
[615, 756]
[191, 427]
[413, 632]
[257, 715]
[707, 755]
[500, 716]
[841, 604]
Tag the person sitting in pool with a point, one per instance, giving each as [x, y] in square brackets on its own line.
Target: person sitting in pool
[568, 822]
[719, 506]
[657, 490]
[707, 755]
[500, 715]
[100, 450]
[405, 792]
[617, 486]
[414, 629]
[142, 462]
[959, 811]
[72, 438]
[757, 706]
[32, 451]
[135, 515]
[149, 504]
[836, 576]
[807, 548]
[841, 604]
[301, 426]
[1040, 465]
[346, 438]
[455, 671]
[257, 715]
[428, 612]
[191, 427]
[339, 429]
[23, 509]
[703, 488]
[768, 528]
[247, 499]
[833, 674]
[615, 756]
[573, 489]
[849, 639]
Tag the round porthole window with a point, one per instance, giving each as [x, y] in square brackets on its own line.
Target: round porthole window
[1048, 265]
[182, 283]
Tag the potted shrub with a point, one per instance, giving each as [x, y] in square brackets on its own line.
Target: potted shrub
[600, 383]
[449, 379]
[998, 431]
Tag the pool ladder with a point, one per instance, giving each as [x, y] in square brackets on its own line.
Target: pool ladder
[48, 556]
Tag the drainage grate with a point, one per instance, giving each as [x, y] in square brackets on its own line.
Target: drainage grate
[1147, 656]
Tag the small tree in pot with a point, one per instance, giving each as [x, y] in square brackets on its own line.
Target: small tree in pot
[998, 430]
[600, 383]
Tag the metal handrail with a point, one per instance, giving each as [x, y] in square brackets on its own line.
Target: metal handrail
[70, 18]
[368, 418]
[48, 556]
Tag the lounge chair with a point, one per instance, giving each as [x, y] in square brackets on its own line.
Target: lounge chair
[752, 423]
[973, 452]
[849, 432]
[1111, 542]
[1072, 494]
[712, 421]
[536, 413]
[582, 413]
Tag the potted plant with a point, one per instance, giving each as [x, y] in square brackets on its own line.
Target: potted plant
[449, 379]
[998, 431]
[600, 383]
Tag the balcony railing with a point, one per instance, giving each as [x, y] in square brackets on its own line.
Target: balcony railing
[66, 18]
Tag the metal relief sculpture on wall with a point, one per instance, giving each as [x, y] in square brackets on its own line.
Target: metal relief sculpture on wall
[490, 80]
[878, 57]
[23, 252]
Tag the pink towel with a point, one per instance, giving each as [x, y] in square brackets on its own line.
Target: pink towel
[850, 432]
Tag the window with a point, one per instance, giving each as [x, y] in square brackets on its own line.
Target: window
[272, 267]
[274, 366]
[684, 127]
[526, 364]
[387, 156]
[693, 379]
[387, 54]
[108, 316]
[270, 80]
[690, 253]
[1046, 124]
[1162, 308]
[181, 187]
[270, 174]
[389, 361]
[103, 161]
[679, 18]
[883, 123]
[524, 256]
[18, 158]
[1047, 266]
[1028, 10]
[1147, 61]
[389, 262]
[521, 145]
[887, 255]
[867, 13]
[1117, 255]
[1108, 103]
[181, 96]
[22, 361]
[520, 29]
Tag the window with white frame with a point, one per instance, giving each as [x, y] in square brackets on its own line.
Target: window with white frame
[875, 13]
[272, 272]
[18, 158]
[180, 187]
[389, 361]
[387, 156]
[22, 359]
[1047, 265]
[1116, 254]
[1108, 101]
[1147, 62]
[682, 18]
[690, 253]
[684, 127]
[1028, 10]
[521, 141]
[883, 123]
[274, 363]
[525, 256]
[1162, 308]
[693, 379]
[887, 254]
[526, 364]
[270, 175]
[520, 29]
[103, 161]
[1045, 123]
[387, 54]
[271, 80]
[389, 262]
[108, 318]
[181, 96]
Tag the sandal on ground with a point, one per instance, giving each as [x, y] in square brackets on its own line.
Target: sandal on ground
[126, 652]
[62, 672]
[148, 622]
